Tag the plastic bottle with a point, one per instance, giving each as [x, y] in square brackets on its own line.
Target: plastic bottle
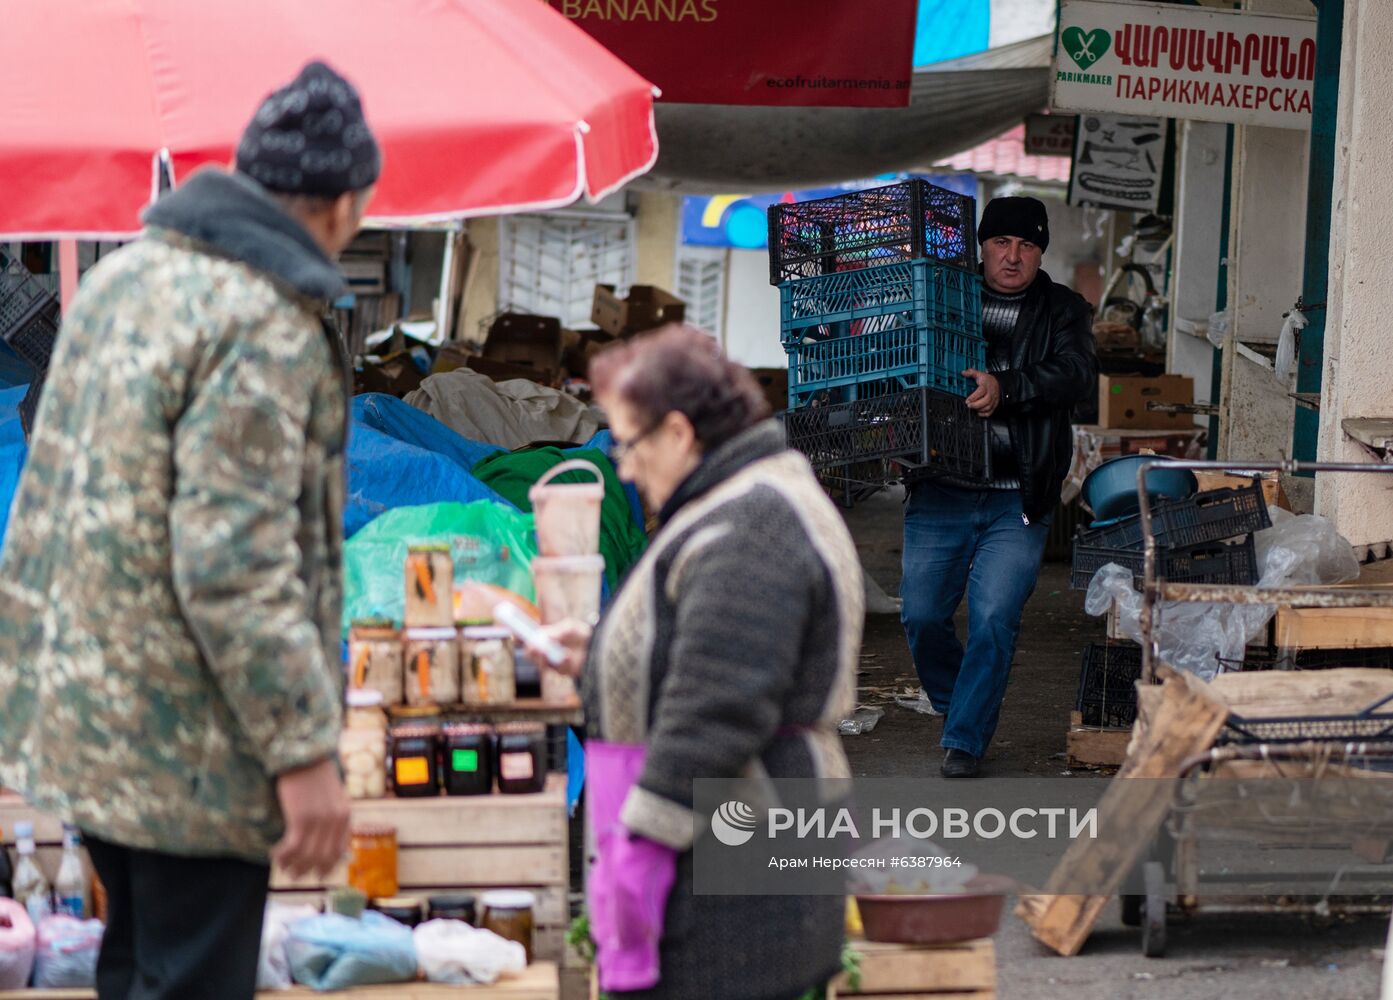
[7, 873]
[70, 887]
[31, 888]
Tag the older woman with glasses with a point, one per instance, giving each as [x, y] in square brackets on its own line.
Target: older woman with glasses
[729, 651]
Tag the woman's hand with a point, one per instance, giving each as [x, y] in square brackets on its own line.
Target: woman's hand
[574, 637]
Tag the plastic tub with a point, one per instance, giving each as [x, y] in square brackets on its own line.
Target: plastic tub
[937, 919]
[568, 587]
[568, 514]
[1111, 489]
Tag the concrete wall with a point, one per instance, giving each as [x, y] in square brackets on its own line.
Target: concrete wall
[1358, 343]
[656, 224]
[1198, 238]
[481, 294]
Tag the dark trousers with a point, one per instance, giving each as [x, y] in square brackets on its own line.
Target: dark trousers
[973, 542]
[178, 928]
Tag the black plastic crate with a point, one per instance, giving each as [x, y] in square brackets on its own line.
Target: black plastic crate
[1107, 692]
[1214, 563]
[1369, 657]
[29, 406]
[29, 314]
[884, 225]
[921, 432]
[1205, 517]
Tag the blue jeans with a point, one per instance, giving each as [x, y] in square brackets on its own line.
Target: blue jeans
[960, 541]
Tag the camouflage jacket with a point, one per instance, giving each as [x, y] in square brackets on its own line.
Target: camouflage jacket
[171, 579]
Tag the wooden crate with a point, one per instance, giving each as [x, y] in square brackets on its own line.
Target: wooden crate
[965, 971]
[445, 844]
[538, 982]
[1095, 746]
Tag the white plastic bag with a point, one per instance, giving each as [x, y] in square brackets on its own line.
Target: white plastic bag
[67, 951]
[17, 944]
[450, 951]
[1303, 549]
[273, 967]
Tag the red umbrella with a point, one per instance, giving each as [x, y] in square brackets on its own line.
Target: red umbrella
[480, 106]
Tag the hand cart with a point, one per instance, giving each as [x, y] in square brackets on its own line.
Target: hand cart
[1263, 760]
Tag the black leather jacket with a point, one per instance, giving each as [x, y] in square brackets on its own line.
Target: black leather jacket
[1054, 366]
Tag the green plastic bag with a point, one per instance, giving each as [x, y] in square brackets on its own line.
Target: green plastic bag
[490, 543]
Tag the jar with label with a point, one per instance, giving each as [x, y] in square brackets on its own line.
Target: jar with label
[430, 586]
[415, 770]
[486, 660]
[468, 758]
[404, 910]
[374, 659]
[432, 666]
[509, 914]
[522, 755]
[372, 860]
[363, 746]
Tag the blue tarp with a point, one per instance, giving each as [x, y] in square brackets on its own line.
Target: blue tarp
[12, 450]
[401, 457]
[14, 370]
[951, 28]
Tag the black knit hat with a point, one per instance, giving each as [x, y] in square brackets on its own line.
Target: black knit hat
[1022, 217]
[310, 137]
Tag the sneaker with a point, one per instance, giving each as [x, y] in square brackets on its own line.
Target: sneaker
[959, 764]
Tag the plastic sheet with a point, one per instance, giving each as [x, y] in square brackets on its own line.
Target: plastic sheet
[863, 720]
[489, 542]
[66, 956]
[273, 966]
[334, 952]
[1304, 549]
[450, 951]
[415, 427]
[17, 944]
[13, 450]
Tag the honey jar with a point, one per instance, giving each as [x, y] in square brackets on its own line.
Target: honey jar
[521, 758]
[415, 770]
[372, 860]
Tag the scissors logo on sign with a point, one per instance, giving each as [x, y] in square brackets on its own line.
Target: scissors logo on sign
[1086, 48]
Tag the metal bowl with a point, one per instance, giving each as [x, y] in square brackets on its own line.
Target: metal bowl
[1111, 489]
[942, 918]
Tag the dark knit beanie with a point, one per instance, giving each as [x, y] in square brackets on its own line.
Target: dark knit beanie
[310, 137]
[1022, 217]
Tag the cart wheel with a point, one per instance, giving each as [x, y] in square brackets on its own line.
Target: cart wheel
[1153, 930]
[1131, 909]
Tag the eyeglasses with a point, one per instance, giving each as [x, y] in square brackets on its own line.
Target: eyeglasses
[618, 449]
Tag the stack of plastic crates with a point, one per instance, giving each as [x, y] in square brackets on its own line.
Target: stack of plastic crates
[1206, 538]
[880, 315]
[1107, 684]
[29, 321]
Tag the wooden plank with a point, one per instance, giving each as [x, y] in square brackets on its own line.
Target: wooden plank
[1185, 722]
[935, 995]
[539, 981]
[1333, 628]
[553, 903]
[919, 969]
[499, 865]
[1095, 746]
[1276, 693]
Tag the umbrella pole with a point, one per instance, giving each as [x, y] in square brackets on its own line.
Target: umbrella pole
[67, 271]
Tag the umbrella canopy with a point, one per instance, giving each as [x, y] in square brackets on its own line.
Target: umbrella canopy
[480, 106]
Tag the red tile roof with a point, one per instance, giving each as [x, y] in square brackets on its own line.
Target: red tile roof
[1005, 156]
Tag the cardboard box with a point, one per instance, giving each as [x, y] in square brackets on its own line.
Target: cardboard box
[589, 343]
[1122, 401]
[525, 340]
[774, 382]
[646, 307]
[1272, 492]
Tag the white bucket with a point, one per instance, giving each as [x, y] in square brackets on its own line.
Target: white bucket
[568, 587]
[568, 514]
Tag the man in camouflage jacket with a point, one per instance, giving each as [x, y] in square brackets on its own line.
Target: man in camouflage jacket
[170, 675]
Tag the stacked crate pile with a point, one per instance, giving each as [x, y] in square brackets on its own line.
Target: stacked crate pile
[880, 315]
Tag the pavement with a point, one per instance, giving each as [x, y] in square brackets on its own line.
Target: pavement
[1215, 954]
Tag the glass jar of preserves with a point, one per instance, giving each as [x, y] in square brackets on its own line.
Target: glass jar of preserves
[509, 914]
[522, 756]
[372, 860]
[403, 910]
[455, 906]
[415, 769]
[486, 658]
[467, 758]
[363, 746]
[432, 666]
[430, 586]
[374, 659]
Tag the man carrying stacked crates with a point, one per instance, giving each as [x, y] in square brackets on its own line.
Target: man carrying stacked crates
[972, 410]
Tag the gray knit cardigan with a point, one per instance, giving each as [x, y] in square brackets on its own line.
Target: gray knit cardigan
[731, 650]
